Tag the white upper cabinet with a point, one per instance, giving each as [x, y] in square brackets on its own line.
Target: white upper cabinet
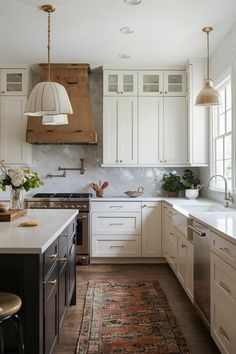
[120, 83]
[162, 83]
[174, 135]
[13, 81]
[13, 123]
[151, 83]
[120, 131]
[149, 122]
[174, 83]
[197, 116]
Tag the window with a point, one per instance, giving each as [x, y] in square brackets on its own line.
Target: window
[222, 136]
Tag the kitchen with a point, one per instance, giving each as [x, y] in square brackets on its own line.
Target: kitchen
[134, 121]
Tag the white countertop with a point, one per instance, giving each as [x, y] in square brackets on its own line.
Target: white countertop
[31, 240]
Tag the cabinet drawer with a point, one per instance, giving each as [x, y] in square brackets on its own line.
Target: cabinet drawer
[117, 246]
[114, 223]
[168, 210]
[172, 237]
[223, 248]
[51, 282]
[116, 206]
[62, 240]
[172, 256]
[222, 327]
[50, 257]
[223, 282]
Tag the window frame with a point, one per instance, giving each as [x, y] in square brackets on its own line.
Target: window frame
[219, 83]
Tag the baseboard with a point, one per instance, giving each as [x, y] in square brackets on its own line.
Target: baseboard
[135, 260]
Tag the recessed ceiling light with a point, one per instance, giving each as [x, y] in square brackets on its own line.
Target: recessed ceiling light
[123, 56]
[127, 30]
[133, 2]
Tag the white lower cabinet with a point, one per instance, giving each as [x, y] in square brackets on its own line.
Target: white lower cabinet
[176, 248]
[116, 246]
[151, 229]
[126, 229]
[116, 229]
[223, 298]
[185, 264]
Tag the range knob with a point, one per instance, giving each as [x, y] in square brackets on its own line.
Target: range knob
[58, 207]
[73, 206]
[44, 206]
[77, 206]
[66, 206]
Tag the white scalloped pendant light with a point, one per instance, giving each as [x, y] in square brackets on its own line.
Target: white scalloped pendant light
[49, 99]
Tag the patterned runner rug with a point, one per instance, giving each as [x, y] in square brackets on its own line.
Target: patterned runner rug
[128, 317]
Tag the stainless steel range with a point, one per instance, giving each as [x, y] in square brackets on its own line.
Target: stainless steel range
[68, 201]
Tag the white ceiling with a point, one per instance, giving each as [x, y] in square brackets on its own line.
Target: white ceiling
[167, 32]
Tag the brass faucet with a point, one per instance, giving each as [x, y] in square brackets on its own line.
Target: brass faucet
[228, 196]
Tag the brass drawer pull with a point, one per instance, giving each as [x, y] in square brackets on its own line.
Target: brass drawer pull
[62, 259]
[224, 249]
[183, 246]
[117, 246]
[224, 286]
[116, 224]
[50, 282]
[222, 331]
[52, 256]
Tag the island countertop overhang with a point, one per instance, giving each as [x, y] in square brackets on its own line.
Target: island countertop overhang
[36, 239]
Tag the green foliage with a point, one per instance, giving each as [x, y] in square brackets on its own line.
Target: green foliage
[191, 181]
[172, 182]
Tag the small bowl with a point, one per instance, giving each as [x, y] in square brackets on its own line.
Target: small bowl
[135, 194]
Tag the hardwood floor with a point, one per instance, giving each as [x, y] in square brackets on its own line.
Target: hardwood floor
[196, 334]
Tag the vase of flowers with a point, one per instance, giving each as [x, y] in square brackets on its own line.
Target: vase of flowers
[18, 180]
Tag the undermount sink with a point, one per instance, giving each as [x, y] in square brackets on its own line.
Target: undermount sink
[208, 208]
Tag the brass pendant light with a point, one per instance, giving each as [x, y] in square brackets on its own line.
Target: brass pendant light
[208, 96]
[49, 99]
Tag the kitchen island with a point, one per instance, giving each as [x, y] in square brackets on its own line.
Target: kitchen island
[38, 264]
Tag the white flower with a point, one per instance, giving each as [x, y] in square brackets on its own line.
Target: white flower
[17, 177]
[174, 172]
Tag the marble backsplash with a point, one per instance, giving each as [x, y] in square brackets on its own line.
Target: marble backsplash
[47, 159]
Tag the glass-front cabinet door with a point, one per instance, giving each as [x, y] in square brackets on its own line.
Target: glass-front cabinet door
[120, 83]
[174, 83]
[151, 83]
[13, 82]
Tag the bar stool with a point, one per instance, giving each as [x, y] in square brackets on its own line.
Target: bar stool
[9, 306]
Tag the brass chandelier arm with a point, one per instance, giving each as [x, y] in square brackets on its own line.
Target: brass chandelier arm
[208, 57]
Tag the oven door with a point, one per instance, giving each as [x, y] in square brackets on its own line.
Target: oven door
[82, 234]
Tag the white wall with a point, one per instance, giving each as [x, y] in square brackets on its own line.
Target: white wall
[223, 58]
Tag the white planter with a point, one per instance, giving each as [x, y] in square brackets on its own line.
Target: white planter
[191, 193]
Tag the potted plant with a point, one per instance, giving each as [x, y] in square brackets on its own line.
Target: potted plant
[171, 183]
[192, 184]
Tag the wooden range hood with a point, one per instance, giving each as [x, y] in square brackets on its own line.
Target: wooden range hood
[80, 130]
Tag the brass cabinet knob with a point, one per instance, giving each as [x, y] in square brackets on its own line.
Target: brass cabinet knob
[165, 161]
[166, 92]
[117, 161]
[2, 91]
[121, 161]
[161, 161]
[161, 92]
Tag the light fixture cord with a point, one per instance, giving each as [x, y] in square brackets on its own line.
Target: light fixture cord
[49, 46]
[208, 57]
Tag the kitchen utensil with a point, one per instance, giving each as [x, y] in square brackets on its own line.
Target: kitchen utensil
[135, 194]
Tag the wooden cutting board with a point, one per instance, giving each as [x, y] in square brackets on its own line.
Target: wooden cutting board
[12, 214]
